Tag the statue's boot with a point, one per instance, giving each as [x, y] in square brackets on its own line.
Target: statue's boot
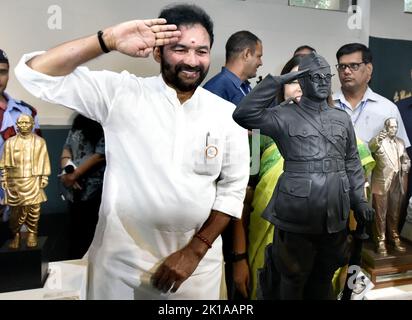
[31, 240]
[381, 248]
[15, 243]
[397, 244]
[393, 234]
[380, 240]
[380, 227]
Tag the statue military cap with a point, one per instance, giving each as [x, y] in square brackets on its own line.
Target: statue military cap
[313, 62]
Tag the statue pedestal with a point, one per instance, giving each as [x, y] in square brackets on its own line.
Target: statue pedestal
[23, 268]
[386, 271]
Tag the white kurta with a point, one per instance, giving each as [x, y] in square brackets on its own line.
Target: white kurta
[159, 186]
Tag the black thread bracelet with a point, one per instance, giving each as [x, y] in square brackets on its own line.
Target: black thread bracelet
[238, 256]
[101, 41]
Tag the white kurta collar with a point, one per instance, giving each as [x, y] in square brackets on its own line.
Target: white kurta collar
[171, 94]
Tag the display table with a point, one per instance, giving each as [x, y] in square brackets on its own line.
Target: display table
[67, 280]
[392, 293]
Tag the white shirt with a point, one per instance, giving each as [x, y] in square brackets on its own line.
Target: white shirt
[159, 186]
[370, 114]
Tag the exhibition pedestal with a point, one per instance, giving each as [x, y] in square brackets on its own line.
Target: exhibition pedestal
[395, 269]
[23, 268]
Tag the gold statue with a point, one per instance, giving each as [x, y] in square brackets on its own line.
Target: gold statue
[25, 169]
[389, 181]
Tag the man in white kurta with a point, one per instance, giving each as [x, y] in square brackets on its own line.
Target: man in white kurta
[160, 184]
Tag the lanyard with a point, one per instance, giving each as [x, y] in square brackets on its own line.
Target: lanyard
[361, 108]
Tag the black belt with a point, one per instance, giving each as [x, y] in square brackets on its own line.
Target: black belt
[325, 166]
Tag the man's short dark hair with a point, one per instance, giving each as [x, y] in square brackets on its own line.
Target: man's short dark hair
[3, 57]
[355, 47]
[188, 14]
[305, 46]
[240, 41]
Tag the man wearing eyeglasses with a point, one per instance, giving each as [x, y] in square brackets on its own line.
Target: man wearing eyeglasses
[367, 109]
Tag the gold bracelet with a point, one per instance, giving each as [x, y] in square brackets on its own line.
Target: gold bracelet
[207, 242]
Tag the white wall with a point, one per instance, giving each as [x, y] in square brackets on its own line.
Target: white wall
[389, 21]
[23, 28]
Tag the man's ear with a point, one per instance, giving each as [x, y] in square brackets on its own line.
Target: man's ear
[369, 70]
[157, 54]
[246, 53]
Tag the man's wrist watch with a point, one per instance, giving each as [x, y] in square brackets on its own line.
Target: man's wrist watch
[238, 256]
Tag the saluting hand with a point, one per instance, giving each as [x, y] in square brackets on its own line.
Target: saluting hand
[289, 77]
[137, 38]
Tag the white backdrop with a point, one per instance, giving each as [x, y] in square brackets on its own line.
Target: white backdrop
[24, 28]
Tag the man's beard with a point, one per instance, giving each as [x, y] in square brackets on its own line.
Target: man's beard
[171, 76]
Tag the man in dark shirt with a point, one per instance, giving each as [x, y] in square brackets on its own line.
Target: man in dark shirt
[243, 58]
